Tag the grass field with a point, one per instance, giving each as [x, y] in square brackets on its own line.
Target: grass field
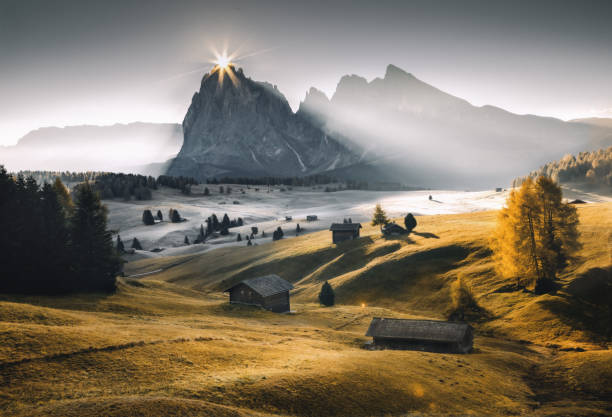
[169, 343]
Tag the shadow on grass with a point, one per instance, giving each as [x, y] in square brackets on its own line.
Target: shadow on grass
[426, 235]
[586, 303]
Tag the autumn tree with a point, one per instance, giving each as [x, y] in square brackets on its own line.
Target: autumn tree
[536, 234]
[379, 217]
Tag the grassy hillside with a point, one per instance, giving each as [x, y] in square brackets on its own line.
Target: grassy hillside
[169, 342]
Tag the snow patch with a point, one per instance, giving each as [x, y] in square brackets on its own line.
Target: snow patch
[297, 156]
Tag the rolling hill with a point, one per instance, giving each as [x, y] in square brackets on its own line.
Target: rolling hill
[170, 343]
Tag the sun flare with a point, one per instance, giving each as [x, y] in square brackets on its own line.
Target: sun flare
[223, 61]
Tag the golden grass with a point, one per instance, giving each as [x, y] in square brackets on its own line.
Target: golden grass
[170, 344]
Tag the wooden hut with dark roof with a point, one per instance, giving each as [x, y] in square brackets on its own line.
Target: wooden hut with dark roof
[269, 291]
[428, 335]
[344, 231]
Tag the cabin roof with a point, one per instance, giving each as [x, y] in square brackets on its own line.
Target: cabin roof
[266, 285]
[393, 225]
[426, 330]
[345, 227]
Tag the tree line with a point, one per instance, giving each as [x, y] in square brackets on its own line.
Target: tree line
[52, 242]
[586, 167]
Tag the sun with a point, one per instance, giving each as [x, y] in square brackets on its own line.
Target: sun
[223, 61]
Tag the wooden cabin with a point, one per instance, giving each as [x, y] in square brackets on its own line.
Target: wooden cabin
[269, 291]
[344, 231]
[311, 218]
[390, 229]
[427, 335]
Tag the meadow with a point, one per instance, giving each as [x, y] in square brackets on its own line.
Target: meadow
[169, 342]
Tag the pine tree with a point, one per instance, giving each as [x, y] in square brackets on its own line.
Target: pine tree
[239, 239]
[327, 296]
[249, 242]
[186, 240]
[215, 222]
[379, 217]
[536, 234]
[120, 246]
[160, 216]
[54, 240]
[147, 218]
[226, 221]
[95, 259]
[298, 229]
[410, 222]
[175, 216]
[136, 244]
[63, 195]
[206, 191]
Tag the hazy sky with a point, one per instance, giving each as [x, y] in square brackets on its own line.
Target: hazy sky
[65, 62]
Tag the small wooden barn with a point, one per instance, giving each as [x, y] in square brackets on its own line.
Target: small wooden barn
[269, 291]
[390, 229]
[428, 335]
[344, 231]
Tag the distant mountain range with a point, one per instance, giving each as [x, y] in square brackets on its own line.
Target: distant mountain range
[395, 128]
[132, 147]
[432, 138]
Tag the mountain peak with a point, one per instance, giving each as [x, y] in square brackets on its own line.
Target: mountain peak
[396, 72]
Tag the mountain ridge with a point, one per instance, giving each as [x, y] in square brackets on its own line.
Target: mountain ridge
[236, 126]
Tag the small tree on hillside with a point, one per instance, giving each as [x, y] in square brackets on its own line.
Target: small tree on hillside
[298, 229]
[147, 218]
[410, 222]
[327, 296]
[379, 217]
[160, 216]
[186, 240]
[136, 244]
[120, 246]
[206, 191]
[175, 216]
[239, 238]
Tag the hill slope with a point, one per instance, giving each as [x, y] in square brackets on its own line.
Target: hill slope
[170, 343]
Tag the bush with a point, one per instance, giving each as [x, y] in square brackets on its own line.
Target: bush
[327, 296]
[147, 218]
[462, 300]
[410, 222]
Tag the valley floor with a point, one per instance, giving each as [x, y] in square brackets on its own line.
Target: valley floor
[169, 343]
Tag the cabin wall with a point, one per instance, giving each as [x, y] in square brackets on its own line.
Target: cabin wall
[279, 303]
[242, 294]
[427, 346]
[341, 236]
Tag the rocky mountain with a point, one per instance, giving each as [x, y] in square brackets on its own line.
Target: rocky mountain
[239, 127]
[129, 147]
[435, 139]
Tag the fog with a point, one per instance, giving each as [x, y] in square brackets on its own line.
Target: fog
[437, 140]
[135, 147]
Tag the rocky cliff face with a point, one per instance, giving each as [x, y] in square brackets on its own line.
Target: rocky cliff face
[239, 127]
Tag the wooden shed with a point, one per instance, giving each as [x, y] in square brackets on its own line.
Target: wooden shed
[344, 231]
[428, 335]
[390, 229]
[269, 291]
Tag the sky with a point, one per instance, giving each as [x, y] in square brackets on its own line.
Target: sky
[74, 62]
